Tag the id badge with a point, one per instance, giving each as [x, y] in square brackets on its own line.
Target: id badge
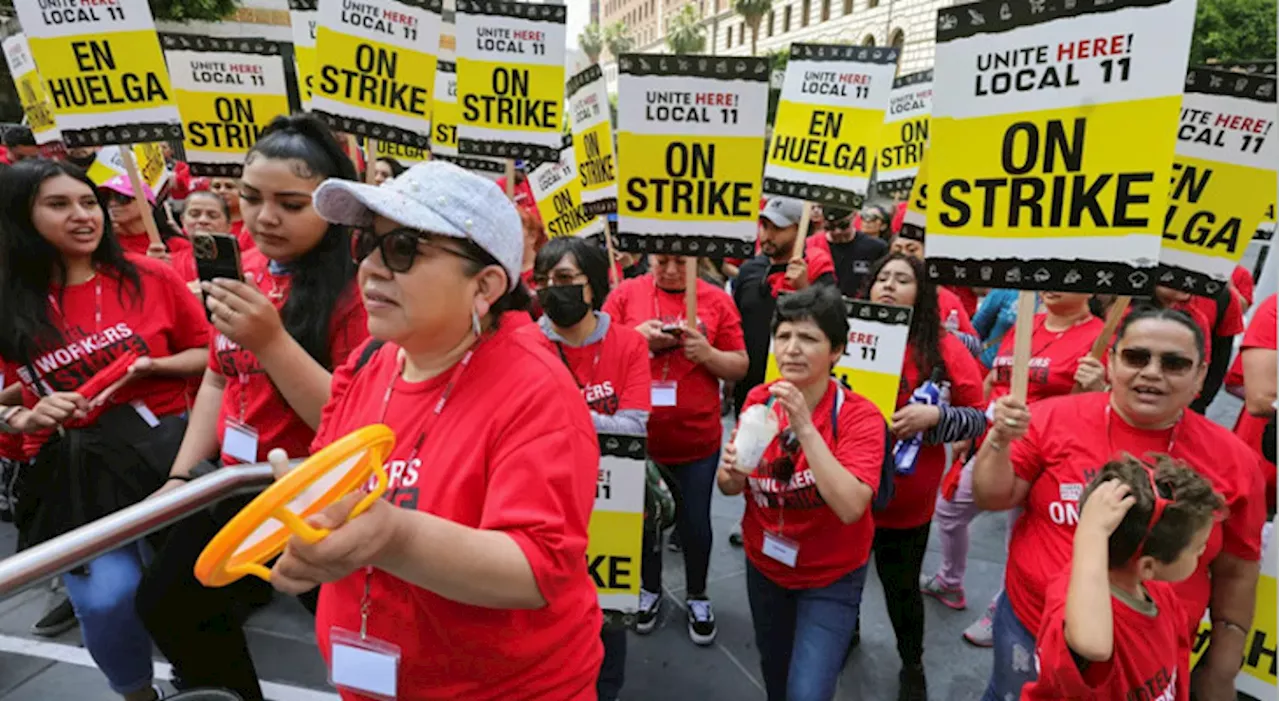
[240, 441]
[781, 548]
[663, 393]
[145, 413]
[364, 666]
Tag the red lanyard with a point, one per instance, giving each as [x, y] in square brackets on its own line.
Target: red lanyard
[366, 602]
[97, 305]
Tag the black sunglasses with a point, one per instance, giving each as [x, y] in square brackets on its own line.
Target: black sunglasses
[1170, 363]
[399, 247]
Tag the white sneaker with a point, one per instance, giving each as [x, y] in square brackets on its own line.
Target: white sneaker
[647, 616]
[702, 621]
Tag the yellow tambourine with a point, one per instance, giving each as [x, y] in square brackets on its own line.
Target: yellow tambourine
[259, 532]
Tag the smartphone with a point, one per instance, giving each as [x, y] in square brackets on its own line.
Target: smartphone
[673, 330]
[217, 256]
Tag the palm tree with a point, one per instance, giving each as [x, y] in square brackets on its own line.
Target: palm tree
[752, 12]
[617, 38]
[684, 34]
[591, 41]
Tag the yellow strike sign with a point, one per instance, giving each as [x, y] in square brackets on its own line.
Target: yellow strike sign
[820, 139]
[589, 120]
[1027, 176]
[404, 155]
[516, 99]
[123, 71]
[370, 75]
[698, 178]
[303, 18]
[31, 92]
[1214, 207]
[616, 529]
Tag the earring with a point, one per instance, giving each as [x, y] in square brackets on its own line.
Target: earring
[475, 322]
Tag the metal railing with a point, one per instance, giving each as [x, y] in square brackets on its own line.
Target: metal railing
[70, 550]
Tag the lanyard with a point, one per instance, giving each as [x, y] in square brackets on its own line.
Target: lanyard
[595, 364]
[97, 305]
[1173, 435]
[366, 601]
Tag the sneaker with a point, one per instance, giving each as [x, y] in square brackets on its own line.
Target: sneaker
[735, 536]
[57, 619]
[979, 633]
[702, 621]
[911, 684]
[647, 616]
[951, 597]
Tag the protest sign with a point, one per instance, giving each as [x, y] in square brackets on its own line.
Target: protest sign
[1257, 677]
[303, 18]
[905, 133]
[1039, 180]
[829, 117]
[914, 219]
[617, 523]
[102, 66]
[446, 114]
[589, 120]
[404, 155]
[510, 78]
[872, 361]
[31, 91]
[1224, 177]
[375, 67]
[228, 91]
[558, 191]
[149, 159]
[690, 138]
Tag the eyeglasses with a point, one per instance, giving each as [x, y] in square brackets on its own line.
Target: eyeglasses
[114, 197]
[399, 247]
[1170, 363]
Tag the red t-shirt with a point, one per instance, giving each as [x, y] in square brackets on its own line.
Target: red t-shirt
[968, 298]
[250, 390]
[1150, 655]
[1069, 440]
[1055, 356]
[1249, 428]
[613, 373]
[949, 302]
[163, 320]
[690, 430]
[1232, 321]
[181, 255]
[512, 450]
[829, 549]
[1242, 283]
[915, 495]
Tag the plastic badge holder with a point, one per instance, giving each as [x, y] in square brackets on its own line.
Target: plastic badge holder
[262, 528]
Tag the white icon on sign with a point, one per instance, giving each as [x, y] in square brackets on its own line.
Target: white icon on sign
[1212, 287]
[884, 313]
[985, 272]
[947, 22]
[959, 272]
[1005, 12]
[1014, 275]
[1167, 277]
[1105, 277]
[1138, 280]
[1072, 277]
[1037, 6]
[976, 19]
[1042, 275]
[933, 271]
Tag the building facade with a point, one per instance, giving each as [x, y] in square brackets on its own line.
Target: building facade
[907, 24]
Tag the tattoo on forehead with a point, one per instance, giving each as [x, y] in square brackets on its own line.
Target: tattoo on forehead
[296, 165]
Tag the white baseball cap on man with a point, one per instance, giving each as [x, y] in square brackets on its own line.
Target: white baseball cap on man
[435, 198]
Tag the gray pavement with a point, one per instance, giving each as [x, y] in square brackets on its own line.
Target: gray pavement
[663, 665]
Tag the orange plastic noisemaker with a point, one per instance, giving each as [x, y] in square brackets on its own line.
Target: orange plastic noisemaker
[262, 528]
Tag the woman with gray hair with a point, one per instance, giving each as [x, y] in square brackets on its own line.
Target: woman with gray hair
[476, 586]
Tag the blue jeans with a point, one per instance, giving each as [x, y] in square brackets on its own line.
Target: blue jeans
[103, 597]
[1014, 655]
[692, 489]
[803, 634]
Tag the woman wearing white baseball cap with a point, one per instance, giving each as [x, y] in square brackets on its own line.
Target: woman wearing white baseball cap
[477, 586]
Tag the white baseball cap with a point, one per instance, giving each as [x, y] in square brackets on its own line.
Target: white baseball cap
[435, 198]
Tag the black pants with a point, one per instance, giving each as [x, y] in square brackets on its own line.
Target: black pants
[899, 555]
[198, 628]
[614, 666]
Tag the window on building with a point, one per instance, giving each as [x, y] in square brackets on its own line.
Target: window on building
[897, 39]
[742, 33]
[826, 10]
[786, 19]
[728, 37]
[771, 17]
[804, 14]
[848, 6]
[869, 40]
[871, 4]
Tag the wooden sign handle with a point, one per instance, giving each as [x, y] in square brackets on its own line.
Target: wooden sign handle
[691, 292]
[1115, 314]
[511, 179]
[803, 234]
[613, 254]
[1022, 344]
[139, 196]
[370, 158]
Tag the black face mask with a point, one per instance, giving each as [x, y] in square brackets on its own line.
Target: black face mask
[564, 304]
[84, 162]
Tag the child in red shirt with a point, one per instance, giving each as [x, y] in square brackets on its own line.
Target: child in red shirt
[1141, 527]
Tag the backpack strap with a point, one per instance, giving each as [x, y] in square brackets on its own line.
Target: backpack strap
[366, 355]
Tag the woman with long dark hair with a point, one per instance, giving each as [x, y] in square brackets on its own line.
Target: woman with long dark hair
[280, 334]
[936, 365]
[74, 305]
